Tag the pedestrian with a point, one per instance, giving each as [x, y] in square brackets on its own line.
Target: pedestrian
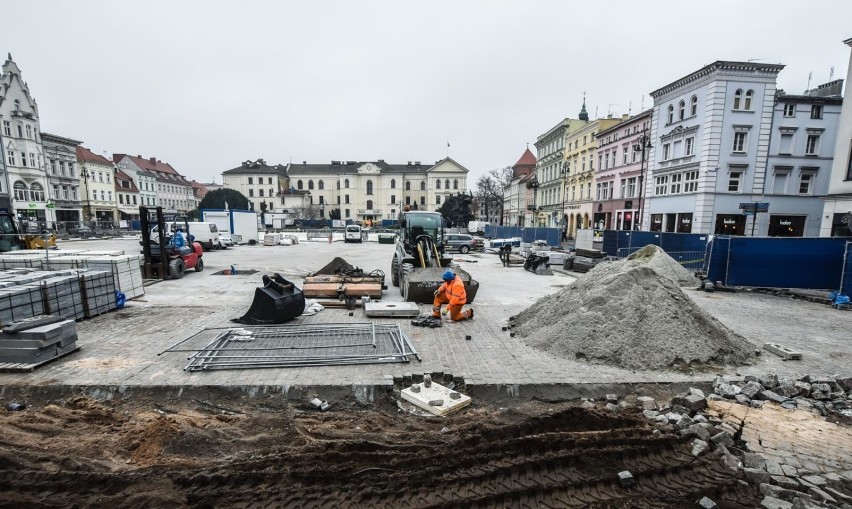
[505, 251]
[451, 293]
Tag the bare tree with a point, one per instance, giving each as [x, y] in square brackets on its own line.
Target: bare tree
[491, 190]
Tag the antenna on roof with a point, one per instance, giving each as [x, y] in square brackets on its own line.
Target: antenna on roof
[831, 74]
[810, 75]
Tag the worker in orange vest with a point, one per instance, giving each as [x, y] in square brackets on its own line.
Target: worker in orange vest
[451, 293]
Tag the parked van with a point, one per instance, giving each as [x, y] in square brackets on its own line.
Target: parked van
[352, 234]
[207, 234]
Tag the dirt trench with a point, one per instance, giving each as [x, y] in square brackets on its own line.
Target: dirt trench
[83, 453]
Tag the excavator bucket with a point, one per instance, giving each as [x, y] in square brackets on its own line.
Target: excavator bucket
[538, 265]
[419, 284]
[276, 302]
[39, 242]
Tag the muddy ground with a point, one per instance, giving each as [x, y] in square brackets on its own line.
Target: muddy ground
[80, 452]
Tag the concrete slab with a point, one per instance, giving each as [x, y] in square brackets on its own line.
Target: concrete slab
[435, 398]
[391, 309]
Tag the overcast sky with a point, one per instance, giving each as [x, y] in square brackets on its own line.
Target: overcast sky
[205, 85]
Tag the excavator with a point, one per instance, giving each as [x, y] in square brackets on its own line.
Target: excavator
[12, 240]
[419, 258]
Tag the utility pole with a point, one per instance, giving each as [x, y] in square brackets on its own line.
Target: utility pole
[645, 144]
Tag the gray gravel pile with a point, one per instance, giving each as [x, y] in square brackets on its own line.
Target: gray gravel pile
[664, 265]
[630, 317]
[818, 394]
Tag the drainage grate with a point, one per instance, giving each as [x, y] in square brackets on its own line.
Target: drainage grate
[285, 346]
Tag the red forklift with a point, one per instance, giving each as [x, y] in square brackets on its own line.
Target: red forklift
[165, 256]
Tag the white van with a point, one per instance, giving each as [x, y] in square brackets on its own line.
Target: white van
[206, 234]
[352, 234]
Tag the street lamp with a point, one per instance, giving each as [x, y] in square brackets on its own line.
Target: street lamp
[564, 173]
[645, 141]
[84, 172]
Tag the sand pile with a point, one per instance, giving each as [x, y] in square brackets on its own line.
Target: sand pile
[664, 265]
[627, 315]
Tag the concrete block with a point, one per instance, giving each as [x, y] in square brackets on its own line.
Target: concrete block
[757, 475]
[612, 398]
[626, 479]
[433, 393]
[728, 391]
[722, 438]
[742, 399]
[775, 503]
[782, 351]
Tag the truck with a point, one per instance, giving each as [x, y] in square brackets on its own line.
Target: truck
[420, 258]
[477, 227]
[241, 225]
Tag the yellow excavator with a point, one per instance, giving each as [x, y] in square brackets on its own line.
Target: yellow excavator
[12, 240]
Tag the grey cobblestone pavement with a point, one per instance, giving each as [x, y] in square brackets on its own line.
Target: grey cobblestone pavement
[121, 348]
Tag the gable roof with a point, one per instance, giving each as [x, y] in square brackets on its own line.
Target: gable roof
[257, 167]
[527, 159]
[121, 176]
[148, 164]
[86, 155]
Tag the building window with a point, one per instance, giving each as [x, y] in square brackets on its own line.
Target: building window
[393, 183]
[681, 107]
[455, 184]
[690, 181]
[7, 128]
[338, 185]
[786, 144]
[422, 200]
[789, 110]
[346, 199]
[408, 187]
[29, 131]
[24, 159]
[438, 199]
[738, 98]
[671, 114]
[748, 98]
[260, 192]
[11, 155]
[408, 199]
[438, 184]
[805, 181]
[251, 180]
[779, 184]
[601, 161]
[693, 106]
[20, 191]
[36, 192]
[320, 184]
[311, 184]
[346, 183]
[816, 111]
[369, 188]
[812, 146]
[447, 184]
[734, 181]
[624, 156]
[661, 185]
[393, 199]
[739, 142]
[299, 185]
[675, 183]
[690, 146]
[667, 152]
[20, 131]
[369, 204]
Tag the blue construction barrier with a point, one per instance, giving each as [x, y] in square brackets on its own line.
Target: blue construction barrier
[553, 236]
[777, 262]
[671, 242]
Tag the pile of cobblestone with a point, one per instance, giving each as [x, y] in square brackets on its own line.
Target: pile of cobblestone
[820, 394]
[824, 483]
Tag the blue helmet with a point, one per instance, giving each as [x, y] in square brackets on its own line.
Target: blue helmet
[448, 276]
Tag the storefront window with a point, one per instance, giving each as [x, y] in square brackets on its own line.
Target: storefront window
[684, 224]
[730, 224]
[656, 222]
[671, 221]
[786, 226]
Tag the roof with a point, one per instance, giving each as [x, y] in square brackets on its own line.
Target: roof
[120, 176]
[717, 66]
[527, 159]
[86, 155]
[257, 167]
[149, 164]
[618, 127]
[54, 138]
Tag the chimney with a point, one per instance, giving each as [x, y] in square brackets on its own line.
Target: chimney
[304, 162]
[153, 160]
[138, 156]
[625, 117]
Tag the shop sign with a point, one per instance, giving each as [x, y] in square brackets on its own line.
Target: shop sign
[51, 205]
[33, 205]
[785, 222]
[686, 220]
[729, 221]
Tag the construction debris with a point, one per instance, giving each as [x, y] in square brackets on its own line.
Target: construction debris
[628, 315]
[782, 351]
[390, 309]
[434, 397]
[427, 321]
[277, 301]
[586, 259]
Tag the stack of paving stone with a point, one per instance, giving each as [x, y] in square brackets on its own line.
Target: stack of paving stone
[586, 259]
[20, 302]
[38, 344]
[62, 296]
[98, 291]
[819, 394]
[27, 261]
[125, 269]
[688, 414]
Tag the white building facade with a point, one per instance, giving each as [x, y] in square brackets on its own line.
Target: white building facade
[60, 156]
[837, 210]
[98, 185]
[710, 132]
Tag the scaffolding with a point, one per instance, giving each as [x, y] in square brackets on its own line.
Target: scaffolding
[288, 346]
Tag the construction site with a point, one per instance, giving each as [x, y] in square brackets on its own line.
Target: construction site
[308, 372]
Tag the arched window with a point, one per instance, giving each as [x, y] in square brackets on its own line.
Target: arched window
[455, 184]
[447, 184]
[693, 106]
[671, 113]
[311, 184]
[369, 204]
[408, 186]
[21, 191]
[321, 185]
[438, 184]
[369, 189]
[299, 185]
[346, 183]
[393, 183]
[338, 185]
[681, 110]
[423, 185]
[738, 97]
[749, 96]
[36, 192]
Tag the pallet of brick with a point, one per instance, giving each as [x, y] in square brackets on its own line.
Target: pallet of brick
[38, 345]
[62, 297]
[98, 291]
[126, 270]
[75, 261]
[20, 302]
[24, 261]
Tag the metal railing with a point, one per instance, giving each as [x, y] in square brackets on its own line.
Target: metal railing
[693, 260]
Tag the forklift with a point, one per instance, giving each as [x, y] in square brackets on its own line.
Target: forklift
[163, 259]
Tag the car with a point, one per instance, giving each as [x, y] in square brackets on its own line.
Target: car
[463, 242]
[352, 234]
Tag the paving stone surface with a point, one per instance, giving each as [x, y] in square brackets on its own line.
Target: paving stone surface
[121, 348]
